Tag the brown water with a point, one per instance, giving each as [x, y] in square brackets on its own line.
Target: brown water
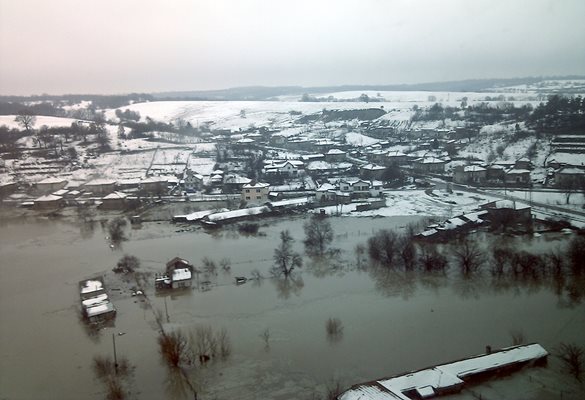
[392, 322]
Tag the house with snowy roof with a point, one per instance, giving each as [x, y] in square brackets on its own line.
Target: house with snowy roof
[429, 165]
[255, 192]
[100, 187]
[178, 274]
[569, 177]
[49, 185]
[470, 174]
[517, 177]
[335, 155]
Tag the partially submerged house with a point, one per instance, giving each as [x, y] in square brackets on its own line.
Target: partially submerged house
[178, 274]
[95, 303]
[49, 202]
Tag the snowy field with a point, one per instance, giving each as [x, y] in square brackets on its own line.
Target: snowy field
[41, 120]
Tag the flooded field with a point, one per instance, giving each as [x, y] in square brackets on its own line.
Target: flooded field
[392, 322]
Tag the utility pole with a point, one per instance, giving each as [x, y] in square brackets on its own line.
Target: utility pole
[115, 356]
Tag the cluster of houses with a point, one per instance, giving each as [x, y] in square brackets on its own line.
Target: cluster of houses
[95, 303]
[503, 213]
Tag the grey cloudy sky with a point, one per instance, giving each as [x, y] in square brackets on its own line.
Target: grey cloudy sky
[118, 46]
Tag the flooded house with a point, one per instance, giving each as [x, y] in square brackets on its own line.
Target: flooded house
[178, 274]
[49, 202]
[95, 303]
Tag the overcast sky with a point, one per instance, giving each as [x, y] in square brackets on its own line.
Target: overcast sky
[120, 46]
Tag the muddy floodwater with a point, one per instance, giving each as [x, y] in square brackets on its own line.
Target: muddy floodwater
[391, 322]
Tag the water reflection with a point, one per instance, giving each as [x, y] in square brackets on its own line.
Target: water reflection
[286, 287]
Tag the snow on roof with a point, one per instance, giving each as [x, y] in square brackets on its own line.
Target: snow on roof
[373, 391]
[427, 382]
[291, 202]
[223, 216]
[100, 309]
[115, 195]
[99, 182]
[49, 197]
[473, 168]
[373, 167]
[324, 165]
[155, 179]
[91, 285]
[326, 187]
[196, 215]
[377, 183]
[51, 180]
[475, 216]
[257, 185]
[335, 151]
[94, 301]
[517, 171]
[181, 274]
[236, 179]
[61, 192]
[571, 171]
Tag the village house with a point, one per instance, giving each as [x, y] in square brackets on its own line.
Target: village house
[523, 163]
[372, 171]
[328, 193]
[429, 165]
[395, 158]
[114, 201]
[507, 213]
[178, 274]
[100, 187]
[234, 183]
[470, 174]
[359, 188]
[49, 202]
[50, 185]
[495, 174]
[335, 155]
[255, 192]
[287, 168]
[569, 177]
[377, 156]
[517, 177]
[154, 185]
[192, 180]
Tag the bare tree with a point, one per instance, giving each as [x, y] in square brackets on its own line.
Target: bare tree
[573, 358]
[174, 348]
[468, 255]
[26, 120]
[407, 251]
[285, 259]
[383, 246]
[318, 234]
[430, 259]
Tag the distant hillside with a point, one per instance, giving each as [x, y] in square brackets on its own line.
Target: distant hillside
[270, 92]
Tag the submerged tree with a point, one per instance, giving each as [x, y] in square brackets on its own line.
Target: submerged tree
[383, 247]
[573, 358]
[116, 229]
[285, 258]
[468, 255]
[318, 234]
[127, 264]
